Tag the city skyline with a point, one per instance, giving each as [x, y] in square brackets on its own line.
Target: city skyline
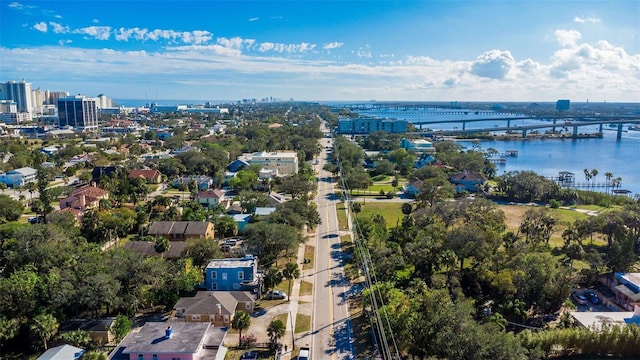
[337, 50]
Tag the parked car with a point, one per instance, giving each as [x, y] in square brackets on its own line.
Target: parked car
[579, 298]
[231, 242]
[593, 297]
[304, 353]
[274, 295]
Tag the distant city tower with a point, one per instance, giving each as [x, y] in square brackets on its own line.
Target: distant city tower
[78, 112]
[563, 105]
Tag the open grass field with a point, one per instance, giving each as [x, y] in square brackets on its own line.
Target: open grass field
[515, 213]
[392, 212]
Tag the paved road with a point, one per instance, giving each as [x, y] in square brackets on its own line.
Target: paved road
[331, 328]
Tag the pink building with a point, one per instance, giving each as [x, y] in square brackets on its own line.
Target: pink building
[84, 198]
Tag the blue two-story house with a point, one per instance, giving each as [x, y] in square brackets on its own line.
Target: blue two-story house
[233, 275]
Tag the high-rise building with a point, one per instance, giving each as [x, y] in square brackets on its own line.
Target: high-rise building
[51, 97]
[563, 105]
[20, 92]
[104, 101]
[79, 112]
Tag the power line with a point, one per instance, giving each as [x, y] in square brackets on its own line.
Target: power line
[370, 279]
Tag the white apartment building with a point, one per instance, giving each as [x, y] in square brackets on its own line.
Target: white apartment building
[10, 115]
[284, 162]
[20, 92]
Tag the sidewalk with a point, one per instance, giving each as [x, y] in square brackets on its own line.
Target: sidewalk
[288, 338]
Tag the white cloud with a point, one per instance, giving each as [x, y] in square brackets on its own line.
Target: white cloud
[236, 43]
[64, 42]
[98, 32]
[41, 26]
[95, 21]
[363, 53]
[589, 62]
[266, 46]
[332, 45]
[32, 10]
[494, 64]
[582, 20]
[567, 37]
[196, 37]
[214, 49]
[254, 19]
[575, 70]
[286, 48]
[59, 29]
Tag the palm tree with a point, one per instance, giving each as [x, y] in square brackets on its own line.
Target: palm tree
[616, 182]
[587, 175]
[608, 175]
[594, 173]
[290, 272]
[31, 187]
[241, 321]
[275, 330]
[272, 278]
[44, 326]
[162, 201]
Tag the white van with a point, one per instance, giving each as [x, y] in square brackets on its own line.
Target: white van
[304, 353]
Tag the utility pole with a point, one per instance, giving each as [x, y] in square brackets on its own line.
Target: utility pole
[293, 332]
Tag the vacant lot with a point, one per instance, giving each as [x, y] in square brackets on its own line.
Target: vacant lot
[392, 212]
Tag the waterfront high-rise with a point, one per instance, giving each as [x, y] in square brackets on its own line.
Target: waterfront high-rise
[20, 92]
[78, 112]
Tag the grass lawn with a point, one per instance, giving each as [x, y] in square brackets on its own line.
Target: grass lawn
[282, 317]
[309, 253]
[303, 323]
[381, 178]
[515, 213]
[375, 189]
[361, 329]
[350, 267]
[342, 216]
[392, 212]
[306, 288]
[235, 353]
[265, 304]
[283, 286]
[568, 216]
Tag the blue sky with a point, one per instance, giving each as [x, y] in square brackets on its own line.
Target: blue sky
[326, 50]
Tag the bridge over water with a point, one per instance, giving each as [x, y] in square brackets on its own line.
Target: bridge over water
[570, 121]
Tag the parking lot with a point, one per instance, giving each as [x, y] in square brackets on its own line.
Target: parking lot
[603, 304]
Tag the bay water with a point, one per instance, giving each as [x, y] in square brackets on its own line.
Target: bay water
[548, 157]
